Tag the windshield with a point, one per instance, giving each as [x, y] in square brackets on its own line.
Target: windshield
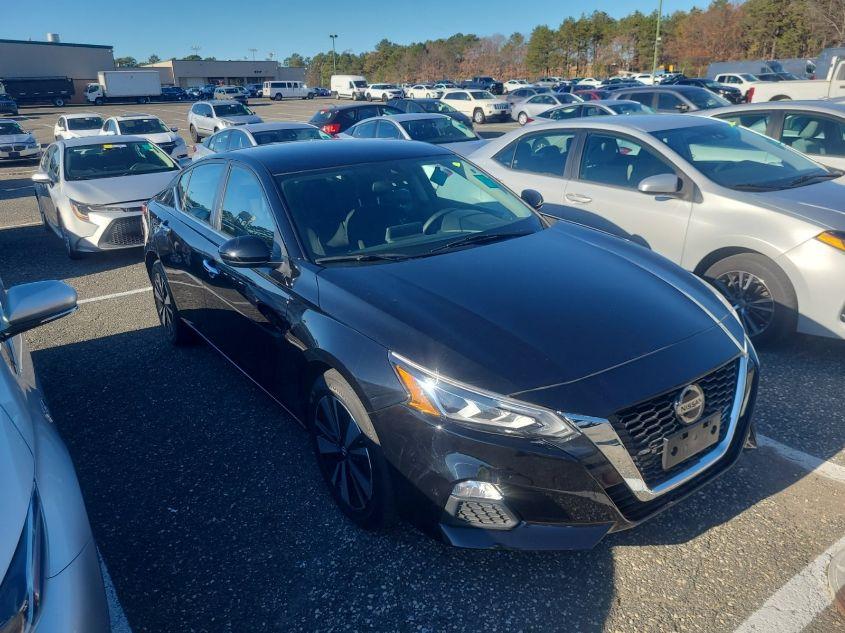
[9, 127]
[143, 126]
[231, 109]
[284, 136]
[738, 158]
[481, 94]
[749, 77]
[705, 100]
[359, 83]
[630, 108]
[397, 209]
[112, 160]
[438, 130]
[85, 123]
[436, 106]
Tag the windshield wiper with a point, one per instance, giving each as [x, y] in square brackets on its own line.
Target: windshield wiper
[803, 180]
[362, 257]
[478, 238]
[752, 187]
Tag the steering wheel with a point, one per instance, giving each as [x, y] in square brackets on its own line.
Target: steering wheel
[434, 217]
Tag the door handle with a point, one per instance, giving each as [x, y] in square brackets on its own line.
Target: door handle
[577, 197]
[210, 268]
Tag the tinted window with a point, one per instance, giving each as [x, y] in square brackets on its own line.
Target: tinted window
[245, 210]
[619, 162]
[559, 114]
[387, 130]
[198, 199]
[85, 123]
[646, 98]
[365, 130]
[232, 109]
[667, 102]
[365, 112]
[143, 126]
[543, 153]
[593, 111]
[814, 134]
[437, 130]
[294, 134]
[757, 121]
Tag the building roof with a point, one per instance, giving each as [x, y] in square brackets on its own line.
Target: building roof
[106, 46]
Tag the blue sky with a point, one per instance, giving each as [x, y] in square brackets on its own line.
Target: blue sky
[227, 29]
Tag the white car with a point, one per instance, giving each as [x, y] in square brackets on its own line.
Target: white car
[814, 128]
[525, 109]
[90, 190]
[587, 83]
[645, 78]
[149, 127]
[253, 134]
[17, 143]
[423, 91]
[744, 81]
[480, 105]
[383, 92]
[514, 84]
[762, 222]
[438, 129]
[77, 125]
[209, 117]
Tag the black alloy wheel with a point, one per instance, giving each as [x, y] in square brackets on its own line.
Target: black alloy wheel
[174, 328]
[751, 298]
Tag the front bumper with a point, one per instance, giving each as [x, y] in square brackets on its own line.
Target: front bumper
[19, 152]
[106, 230]
[558, 497]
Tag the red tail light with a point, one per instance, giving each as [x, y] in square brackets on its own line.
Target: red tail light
[749, 95]
[331, 128]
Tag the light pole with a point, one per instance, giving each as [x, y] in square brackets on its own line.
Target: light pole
[656, 40]
[334, 60]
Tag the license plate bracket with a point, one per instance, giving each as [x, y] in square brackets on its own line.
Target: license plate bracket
[690, 441]
[14, 154]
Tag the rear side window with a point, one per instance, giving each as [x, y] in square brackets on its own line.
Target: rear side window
[201, 190]
[543, 153]
[387, 130]
[757, 121]
[321, 117]
[219, 142]
[814, 134]
[238, 140]
[667, 102]
[245, 210]
[646, 98]
[365, 130]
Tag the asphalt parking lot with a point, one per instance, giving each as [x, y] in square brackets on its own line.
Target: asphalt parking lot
[210, 514]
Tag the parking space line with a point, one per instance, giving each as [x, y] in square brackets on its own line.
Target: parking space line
[798, 602]
[810, 463]
[117, 618]
[114, 295]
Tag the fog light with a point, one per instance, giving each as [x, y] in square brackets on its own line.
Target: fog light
[480, 504]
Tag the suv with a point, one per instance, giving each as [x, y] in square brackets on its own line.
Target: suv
[481, 105]
[483, 83]
[336, 119]
[432, 106]
[209, 117]
[731, 93]
[672, 99]
[383, 92]
[231, 92]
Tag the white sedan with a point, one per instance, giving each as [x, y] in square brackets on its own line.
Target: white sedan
[514, 84]
[423, 91]
[762, 222]
[77, 125]
[480, 105]
[90, 190]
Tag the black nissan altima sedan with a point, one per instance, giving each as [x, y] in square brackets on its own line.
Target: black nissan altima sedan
[457, 358]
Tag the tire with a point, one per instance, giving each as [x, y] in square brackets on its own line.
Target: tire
[478, 116]
[349, 457]
[44, 221]
[99, 101]
[337, 96]
[384, 98]
[522, 118]
[70, 248]
[216, 130]
[369, 97]
[277, 96]
[59, 102]
[174, 328]
[760, 292]
[193, 133]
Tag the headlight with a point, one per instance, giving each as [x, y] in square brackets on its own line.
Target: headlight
[20, 590]
[437, 396]
[836, 239]
[81, 211]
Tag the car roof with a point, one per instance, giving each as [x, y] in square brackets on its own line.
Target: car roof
[81, 115]
[646, 123]
[133, 115]
[276, 125]
[831, 107]
[214, 102]
[287, 158]
[669, 88]
[351, 106]
[102, 140]
[411, 116]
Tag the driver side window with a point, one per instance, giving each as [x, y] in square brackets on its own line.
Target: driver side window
[543, 153]
[619, 162]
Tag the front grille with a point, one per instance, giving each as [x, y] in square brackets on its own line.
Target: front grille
[643, 427]
[500, 106]
[483, 513]
[124, 232]
[12, 148]
[167, 147]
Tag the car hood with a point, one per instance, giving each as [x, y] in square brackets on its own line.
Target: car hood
[822, 203]
[17, 472]
[511, 316]
[242, 119]
[161, 137]
[465, 148]
[83, 133]
[15, 138]
[121, 189]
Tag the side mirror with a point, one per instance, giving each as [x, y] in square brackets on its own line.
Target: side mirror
[245, 251]
[174, 129]
[682, 107]
[660, 184]
[41, 177]
[30, 305]
[533, 198]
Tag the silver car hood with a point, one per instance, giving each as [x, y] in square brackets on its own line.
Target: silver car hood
[822, 203]
[83, 133]
[160, 137]
[243, 118]
[121, 189]
[17, 472]
[15, 138]
[465, 148]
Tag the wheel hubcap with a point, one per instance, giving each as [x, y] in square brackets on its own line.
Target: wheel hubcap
[164, 305]
[751, 298]
[343, 454]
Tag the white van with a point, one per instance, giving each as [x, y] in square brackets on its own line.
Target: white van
[279, 90]
[348, 86]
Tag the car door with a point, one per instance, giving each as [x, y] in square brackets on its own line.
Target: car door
[187, 242]
[44, 192]
[819, 136]
[366, 129]
[248, 305]
[604, 189]
[205, 118]
[537, 104]
[536, 160]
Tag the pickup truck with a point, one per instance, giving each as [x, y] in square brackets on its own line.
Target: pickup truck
[809, 89]
[483, 83]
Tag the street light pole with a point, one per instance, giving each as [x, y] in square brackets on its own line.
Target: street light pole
[334, 60]
[657, 40]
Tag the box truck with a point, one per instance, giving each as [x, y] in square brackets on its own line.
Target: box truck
[124, 85]
[28, 90]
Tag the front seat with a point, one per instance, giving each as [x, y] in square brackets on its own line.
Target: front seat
[807, 143]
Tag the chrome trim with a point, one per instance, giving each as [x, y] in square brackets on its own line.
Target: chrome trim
[602, 434]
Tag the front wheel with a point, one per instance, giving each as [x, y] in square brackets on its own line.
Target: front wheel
[70, 245]
[369, 97]
[522, 118]
[99, 101]
[478, 116]
[59, 102]
[193, 132]
[760, 292]
[175, 329]
[348, 453]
